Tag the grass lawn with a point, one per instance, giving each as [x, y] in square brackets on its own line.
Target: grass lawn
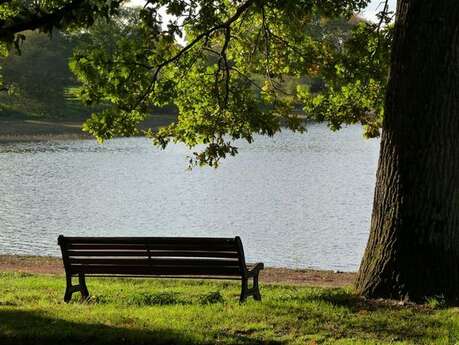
[129, 311]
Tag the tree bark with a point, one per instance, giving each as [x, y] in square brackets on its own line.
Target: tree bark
[413, 249]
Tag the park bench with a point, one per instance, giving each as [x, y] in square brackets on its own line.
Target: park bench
[164, 257]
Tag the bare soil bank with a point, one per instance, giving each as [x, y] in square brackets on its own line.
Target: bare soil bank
[51, 265]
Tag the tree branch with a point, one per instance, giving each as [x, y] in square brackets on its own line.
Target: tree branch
[204, 35]
[40, 19]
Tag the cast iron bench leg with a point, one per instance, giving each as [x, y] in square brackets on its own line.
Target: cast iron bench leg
[81, 287]
[256, 288]
[68, 289]
[244, 290]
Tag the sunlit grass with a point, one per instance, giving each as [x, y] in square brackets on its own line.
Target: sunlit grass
[130, 311]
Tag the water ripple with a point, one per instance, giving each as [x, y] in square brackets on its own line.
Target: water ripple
[296, 200]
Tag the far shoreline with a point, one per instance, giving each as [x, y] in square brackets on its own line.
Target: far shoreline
[38, 130]
[30, 130]
[272, 275]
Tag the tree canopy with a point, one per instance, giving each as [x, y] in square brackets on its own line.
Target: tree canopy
[231, 49]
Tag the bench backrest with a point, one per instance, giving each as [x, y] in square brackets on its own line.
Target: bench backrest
[160, 256]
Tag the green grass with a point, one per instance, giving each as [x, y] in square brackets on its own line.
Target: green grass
[129, 311]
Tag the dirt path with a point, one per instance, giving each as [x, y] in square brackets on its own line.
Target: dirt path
[50, 265]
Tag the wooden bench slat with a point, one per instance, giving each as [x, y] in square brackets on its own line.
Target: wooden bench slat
[106, 246]
[153, 253]
[155, 262]
[143, 240]
[165, 276]
[126, 253]
[197, 254]
[160, 246]
[170, 270]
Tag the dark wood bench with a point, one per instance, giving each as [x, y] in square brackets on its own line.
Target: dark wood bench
[165, 257]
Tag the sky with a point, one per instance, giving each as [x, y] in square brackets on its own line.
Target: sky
[370, 12]
[376, 6]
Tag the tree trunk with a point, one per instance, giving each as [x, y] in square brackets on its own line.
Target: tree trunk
[413, 249]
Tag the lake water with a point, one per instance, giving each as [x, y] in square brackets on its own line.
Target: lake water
[297, 200]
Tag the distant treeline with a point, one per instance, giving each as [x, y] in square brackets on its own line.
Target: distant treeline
[38, 78]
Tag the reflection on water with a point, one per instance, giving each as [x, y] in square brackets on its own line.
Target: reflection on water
[297, 200]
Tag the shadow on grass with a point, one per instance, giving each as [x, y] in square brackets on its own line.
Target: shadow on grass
[24, 327]
[357, 317]
[355, 304]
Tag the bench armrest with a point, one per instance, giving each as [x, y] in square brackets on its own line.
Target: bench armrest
[253, 271]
